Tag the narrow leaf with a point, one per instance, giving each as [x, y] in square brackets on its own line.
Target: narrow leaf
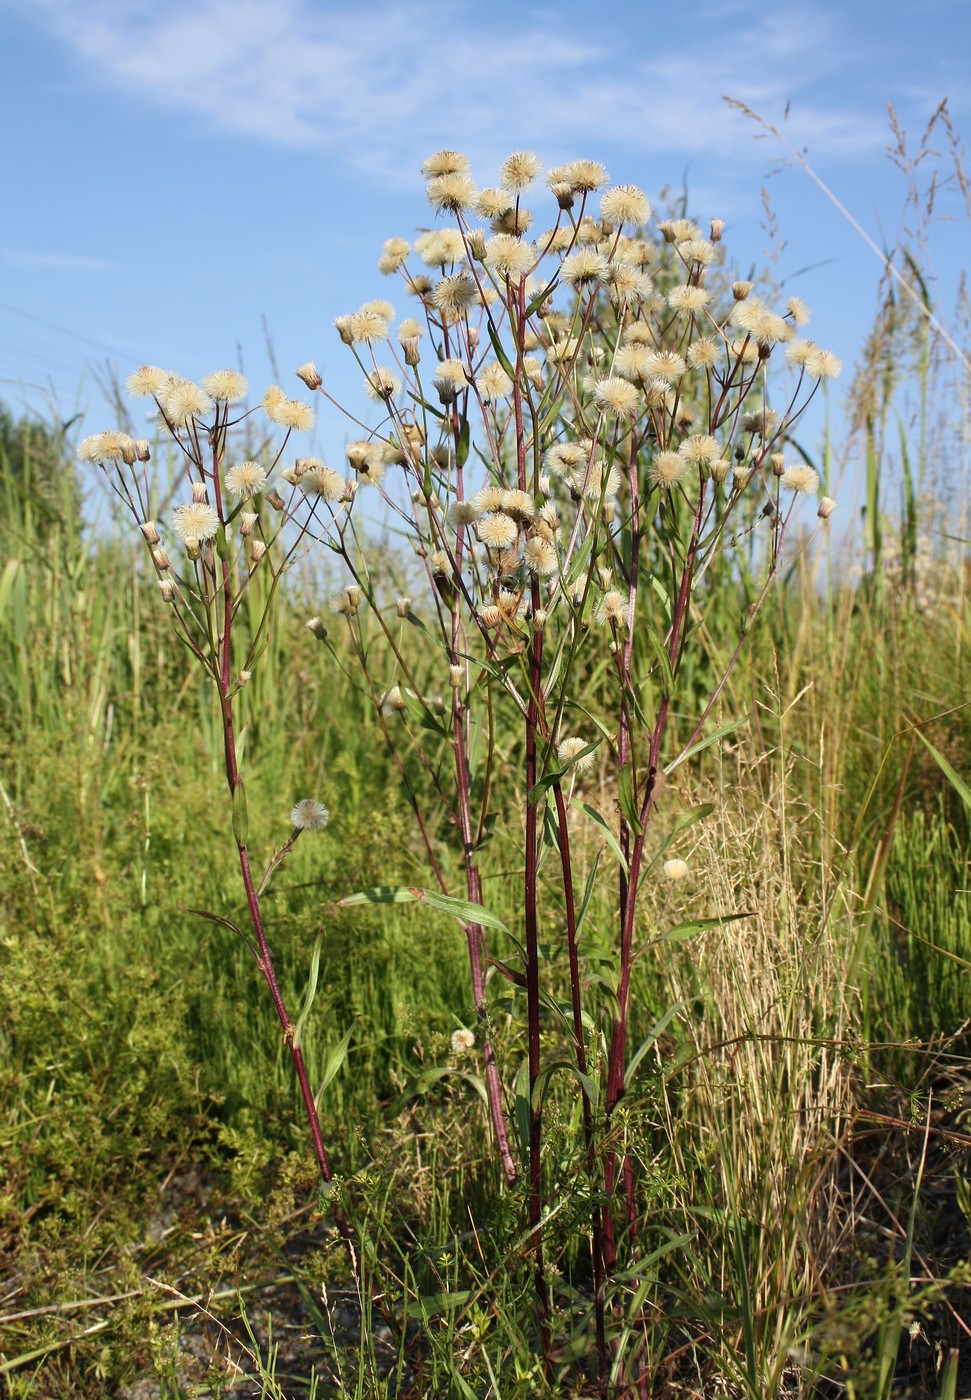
[308, 1000]
[333, 1064]
[240, 814]
[609, 836]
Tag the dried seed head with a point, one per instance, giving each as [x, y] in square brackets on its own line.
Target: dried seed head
[225, 385]
[309, 815]
[245, 479]
[310, 375]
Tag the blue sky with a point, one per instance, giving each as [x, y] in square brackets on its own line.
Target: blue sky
[175, 173]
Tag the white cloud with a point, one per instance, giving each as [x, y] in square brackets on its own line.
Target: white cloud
[379, 89]
[60, 262]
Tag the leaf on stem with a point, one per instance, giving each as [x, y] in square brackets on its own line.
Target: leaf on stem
[462, 909]
[240, 814]
[334, 1062]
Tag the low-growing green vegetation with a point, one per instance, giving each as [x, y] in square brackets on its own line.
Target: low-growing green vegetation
[736, 1135]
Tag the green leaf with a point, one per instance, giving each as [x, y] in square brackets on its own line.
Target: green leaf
[435, 1304]
[308, 1000]
[702, 744]
[609, 836]
[333, 1064]
[958, 783]
[589, 887]
[656, 1030]
[423, 1082]
[523, 1110]
[663, 660]
[462, 451]
[539, 789]
[588, 1085]
[462, 909]
[240, 814]
[625, 796]
[501, 355]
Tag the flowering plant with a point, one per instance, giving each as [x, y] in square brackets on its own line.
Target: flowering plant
[575, 433]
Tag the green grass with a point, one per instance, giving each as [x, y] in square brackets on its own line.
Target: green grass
[136, 1039]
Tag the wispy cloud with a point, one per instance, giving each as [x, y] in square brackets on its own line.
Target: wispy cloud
[379, 89]
[59, 262]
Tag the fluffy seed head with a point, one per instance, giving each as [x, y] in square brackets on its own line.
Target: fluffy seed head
[108, 447]
[686, 300]
[539, 556]
[225, 385]
[451, 378]
[508, 256]
[801, 479]
[703, 353]
[616, 395]
[148, 380]
[309, 815]
[582, 267]
[614, 609]
[393, 254]
[245, 479]
[440, 246]
[452, 193]
[583, 176]
[318, 480]
[182, 402]
[493, 382]
[365, 327]
[700, 449]
[455, 295]
[675, 870]
[667, 469]
[445, 163]
[568, 751]
[462, 1042]
[823, 364]
[195, 523]
[493, 202]
[382, 385]
[625, 204]
[497, 531]
[290, 413]
[627, 285]
[519, 170]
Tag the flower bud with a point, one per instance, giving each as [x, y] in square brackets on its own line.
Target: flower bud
[148, 529]
[740, 290]
[717, 229]
[316, 626]
[826, 507]
[142, 453]
[199, 492]
[259, 549]
[247, 520]
[167, 589]
[161, 560]
[274, 499]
